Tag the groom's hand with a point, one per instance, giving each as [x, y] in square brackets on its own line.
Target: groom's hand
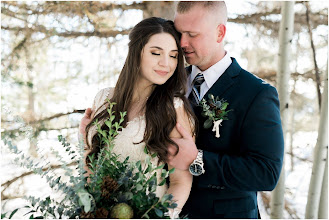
[187, 150]
[84, 122]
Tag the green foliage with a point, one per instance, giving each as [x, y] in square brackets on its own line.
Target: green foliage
[214, 109]
[133, 183]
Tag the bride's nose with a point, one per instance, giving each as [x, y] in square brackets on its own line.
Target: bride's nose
[164, 61]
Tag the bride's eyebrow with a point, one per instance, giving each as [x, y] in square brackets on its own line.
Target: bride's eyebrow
[159, 48]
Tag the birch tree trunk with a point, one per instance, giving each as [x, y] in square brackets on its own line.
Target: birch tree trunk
[283, 76]
[323, 207]
[319, 161]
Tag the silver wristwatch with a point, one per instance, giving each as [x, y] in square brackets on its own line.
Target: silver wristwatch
[196, 167]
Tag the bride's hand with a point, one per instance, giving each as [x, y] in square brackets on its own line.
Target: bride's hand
[84, 122]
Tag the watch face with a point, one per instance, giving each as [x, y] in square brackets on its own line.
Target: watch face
[196, 169]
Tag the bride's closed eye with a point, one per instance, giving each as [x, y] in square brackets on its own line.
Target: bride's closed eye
[156, 54]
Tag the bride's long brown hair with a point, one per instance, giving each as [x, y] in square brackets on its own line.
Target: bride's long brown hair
[160, 114]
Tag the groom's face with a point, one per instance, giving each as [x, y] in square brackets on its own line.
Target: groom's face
[199, 36]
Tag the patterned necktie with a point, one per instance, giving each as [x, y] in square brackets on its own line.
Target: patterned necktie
[194, 96]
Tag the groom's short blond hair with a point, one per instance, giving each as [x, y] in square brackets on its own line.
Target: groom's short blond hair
[218, 7]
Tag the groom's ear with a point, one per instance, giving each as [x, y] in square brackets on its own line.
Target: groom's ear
[221, 31]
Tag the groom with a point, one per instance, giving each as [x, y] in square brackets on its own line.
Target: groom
[247, 157]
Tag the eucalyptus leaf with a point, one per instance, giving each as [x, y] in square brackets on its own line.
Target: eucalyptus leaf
[158, 212]
[173, 205]
[172, 170]
[139, 166]
[224, 106]
[162, 182]
[208, 123]
[108, 123]
[139, 187]
[160, 167]
[85, 199]
[12, 213]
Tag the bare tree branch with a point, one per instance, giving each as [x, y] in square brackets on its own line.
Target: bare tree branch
[11, 181]
[68, 34]
[71, 8]
[317, 74]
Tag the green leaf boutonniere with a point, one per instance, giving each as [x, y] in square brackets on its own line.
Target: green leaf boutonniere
[215, 110]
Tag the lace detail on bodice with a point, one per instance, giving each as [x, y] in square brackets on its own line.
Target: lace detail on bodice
[127, 142]
[124, 146]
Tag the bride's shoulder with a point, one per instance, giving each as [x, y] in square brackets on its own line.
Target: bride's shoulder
[102, 95]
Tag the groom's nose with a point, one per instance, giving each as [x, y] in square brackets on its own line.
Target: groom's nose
[183, 41]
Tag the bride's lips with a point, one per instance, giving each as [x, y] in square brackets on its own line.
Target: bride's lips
[161, 73]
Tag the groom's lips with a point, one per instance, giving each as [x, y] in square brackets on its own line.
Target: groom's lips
[187, 54]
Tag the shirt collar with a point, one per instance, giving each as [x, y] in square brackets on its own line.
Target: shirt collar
[212, 74]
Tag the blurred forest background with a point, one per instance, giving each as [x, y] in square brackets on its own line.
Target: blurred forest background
[56, 55]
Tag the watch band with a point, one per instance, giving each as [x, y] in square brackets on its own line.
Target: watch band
[199, 157]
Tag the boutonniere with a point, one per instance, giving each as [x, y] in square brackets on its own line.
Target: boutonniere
[215, 110]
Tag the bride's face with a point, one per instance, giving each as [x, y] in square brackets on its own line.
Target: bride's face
[158, 59]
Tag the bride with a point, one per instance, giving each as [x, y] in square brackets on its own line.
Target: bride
[151, 89]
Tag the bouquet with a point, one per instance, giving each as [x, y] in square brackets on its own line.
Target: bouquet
[114, 189]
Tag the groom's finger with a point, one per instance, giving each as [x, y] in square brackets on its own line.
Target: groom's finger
[172, 149]
[88, 113]
[185, 134]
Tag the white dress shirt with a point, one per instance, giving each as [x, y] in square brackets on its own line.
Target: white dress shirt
[211, 75]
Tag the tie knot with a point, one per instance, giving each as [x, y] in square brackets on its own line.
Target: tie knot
[198, 80]
[194, 96]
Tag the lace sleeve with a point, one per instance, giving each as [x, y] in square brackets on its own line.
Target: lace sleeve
[178, 102]
[179, 106]
[100, 99]
[97, 107]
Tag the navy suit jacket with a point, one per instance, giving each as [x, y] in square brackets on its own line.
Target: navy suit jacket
[248, 155]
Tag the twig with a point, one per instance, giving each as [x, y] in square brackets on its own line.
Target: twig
[53, 167]
[317, 74]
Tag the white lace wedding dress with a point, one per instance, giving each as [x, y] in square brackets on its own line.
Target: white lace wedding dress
[132, 133]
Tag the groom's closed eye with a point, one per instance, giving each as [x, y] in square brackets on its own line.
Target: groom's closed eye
[192, 34]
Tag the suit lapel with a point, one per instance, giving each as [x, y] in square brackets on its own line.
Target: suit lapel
[225, 81]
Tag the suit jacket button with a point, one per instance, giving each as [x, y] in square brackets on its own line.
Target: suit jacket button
[214, 187]
[209, 186]
[223, 187]
[218, 187]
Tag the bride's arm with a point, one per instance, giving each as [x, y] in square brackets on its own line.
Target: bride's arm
[88, 116]
[180, 180]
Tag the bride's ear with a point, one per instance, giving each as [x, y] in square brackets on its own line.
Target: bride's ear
[221, 31]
